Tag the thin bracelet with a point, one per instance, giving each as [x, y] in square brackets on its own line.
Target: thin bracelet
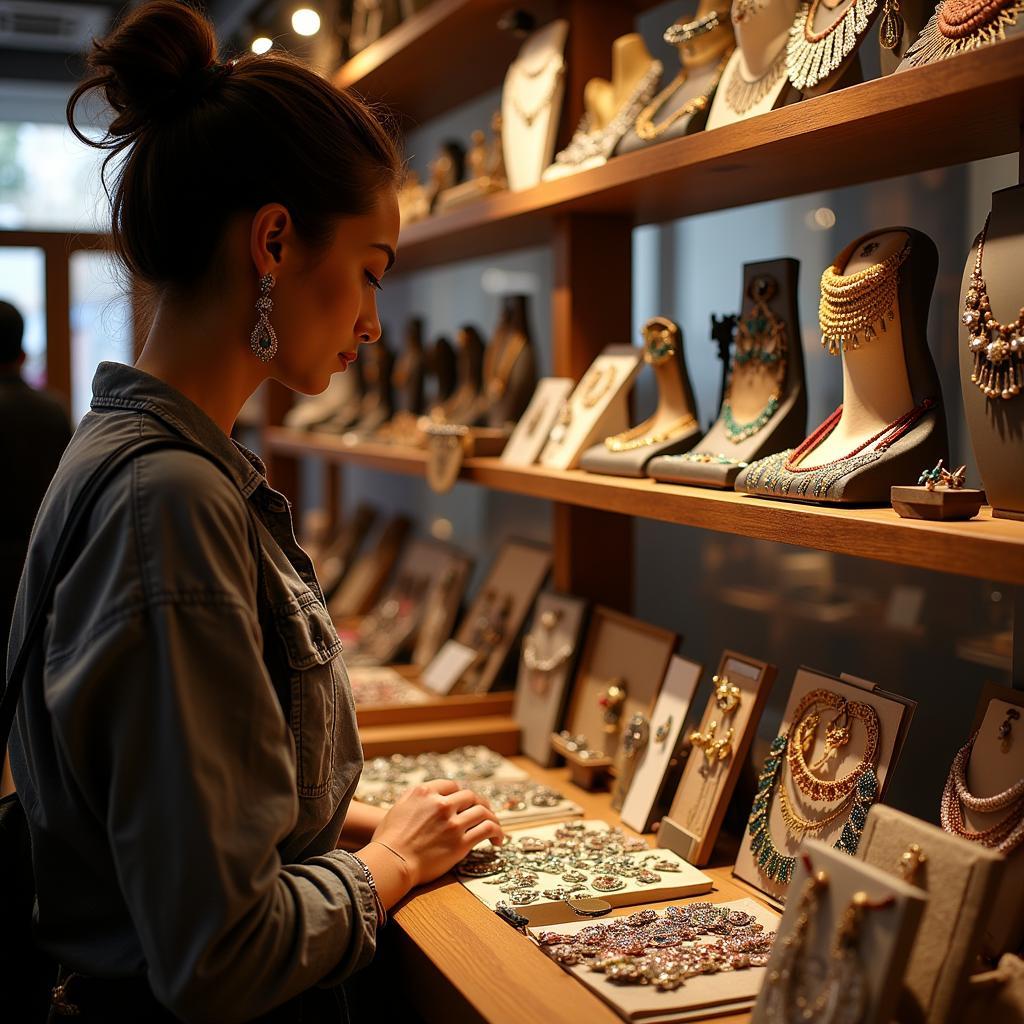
[388, 848]
[382, 914]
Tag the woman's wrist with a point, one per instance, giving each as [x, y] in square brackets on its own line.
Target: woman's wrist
[392, 873]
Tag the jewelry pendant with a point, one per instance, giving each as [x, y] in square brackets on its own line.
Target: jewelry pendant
[890, 29]
[263, 340]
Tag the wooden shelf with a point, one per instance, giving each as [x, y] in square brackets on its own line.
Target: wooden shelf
[962, 109]
[984, 548]
[462, 962]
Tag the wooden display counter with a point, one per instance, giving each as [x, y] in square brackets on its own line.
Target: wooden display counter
[459, 962]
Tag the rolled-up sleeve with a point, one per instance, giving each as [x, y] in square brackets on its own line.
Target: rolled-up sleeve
[171, 727]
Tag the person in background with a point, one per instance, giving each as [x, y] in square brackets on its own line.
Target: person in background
[34, 431]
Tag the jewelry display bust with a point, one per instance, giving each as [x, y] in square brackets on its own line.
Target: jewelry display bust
[461, 404]
[874, 308]
[531, 104]
[995, 422]
[765, 404]
[510, 366]
[705, 43]
[672, 428]
[754, 80]
[611, 108]
[961, 25]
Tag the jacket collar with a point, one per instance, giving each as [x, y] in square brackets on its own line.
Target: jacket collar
[118, 386]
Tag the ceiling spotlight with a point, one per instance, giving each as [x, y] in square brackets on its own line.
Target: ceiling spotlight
[306, 21]
[261, 44]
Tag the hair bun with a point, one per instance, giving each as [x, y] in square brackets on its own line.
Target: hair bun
[156, 59]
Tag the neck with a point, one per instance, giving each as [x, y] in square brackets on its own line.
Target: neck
[203, 352]
[763, 34]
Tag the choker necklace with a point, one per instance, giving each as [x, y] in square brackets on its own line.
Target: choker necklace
[961, 25]
[742, 94]
[998, 349]
[781, 473]
[812, 56]
[760, 345]
[645, 127]
[852, 304]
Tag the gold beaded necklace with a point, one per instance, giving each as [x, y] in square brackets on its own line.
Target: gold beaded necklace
[853, 304]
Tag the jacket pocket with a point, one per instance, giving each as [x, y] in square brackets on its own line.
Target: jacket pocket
[313, 649]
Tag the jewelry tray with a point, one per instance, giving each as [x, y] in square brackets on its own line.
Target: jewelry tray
[687, 881]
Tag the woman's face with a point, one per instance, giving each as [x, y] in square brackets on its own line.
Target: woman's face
[326, 307]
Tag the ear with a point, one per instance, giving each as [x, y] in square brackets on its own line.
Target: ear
[270, 238]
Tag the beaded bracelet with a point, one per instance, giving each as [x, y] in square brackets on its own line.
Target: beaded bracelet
[382, 914]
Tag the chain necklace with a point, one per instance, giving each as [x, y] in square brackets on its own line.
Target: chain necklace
[540, 666]
[529, 114]
[645, 127]
[852, 304]
[998, 349]
[640, 436]
[780, 474]
[961, 25]
[760, 345]
[743, 94]
[1005, 835]
[812, 56]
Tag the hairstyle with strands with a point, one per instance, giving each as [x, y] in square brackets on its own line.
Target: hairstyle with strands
[196, 141]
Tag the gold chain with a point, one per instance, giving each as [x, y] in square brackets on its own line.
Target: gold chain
[638, 437]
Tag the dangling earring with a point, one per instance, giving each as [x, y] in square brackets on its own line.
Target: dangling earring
[263, 340]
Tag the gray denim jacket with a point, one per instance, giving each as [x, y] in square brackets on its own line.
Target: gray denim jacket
[183, 827]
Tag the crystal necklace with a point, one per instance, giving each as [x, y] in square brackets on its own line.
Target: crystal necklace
[742, 94]
[812, 56]
[960, 25]
[998, 349]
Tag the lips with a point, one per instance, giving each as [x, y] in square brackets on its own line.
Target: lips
[348, 358]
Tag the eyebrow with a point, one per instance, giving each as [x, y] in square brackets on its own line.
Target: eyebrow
[385, 248]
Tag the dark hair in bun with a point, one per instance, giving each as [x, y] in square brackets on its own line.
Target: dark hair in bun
[198, 141]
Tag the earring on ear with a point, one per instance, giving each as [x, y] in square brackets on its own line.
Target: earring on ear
[263, 340]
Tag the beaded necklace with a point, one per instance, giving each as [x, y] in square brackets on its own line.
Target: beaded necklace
[961, 25]
[812, 56]
[742, 94]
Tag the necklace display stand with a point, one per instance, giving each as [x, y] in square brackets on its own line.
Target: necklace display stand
[341, 394]
[996, 425]
[378, 398]
[407, 380]
[510, 366]
[531, 104]
[461, 403]
[672, 428]
[681, 107]
[611, 108]
[891, 424]
[597, 408]
[754, 80]
[840, 31]
[758, 353]
[442, 372]
[531, 432]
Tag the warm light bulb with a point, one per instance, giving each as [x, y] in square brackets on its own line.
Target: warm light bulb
[306, 21]
[261, 44]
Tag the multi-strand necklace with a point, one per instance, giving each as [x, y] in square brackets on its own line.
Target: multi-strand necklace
[742, 94]
[790, 748]
[961, 25]
[812, 56]
[853, 304]
[1005, 835]
[998, 348]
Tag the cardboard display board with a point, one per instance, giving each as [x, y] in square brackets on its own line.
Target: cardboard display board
[882, 945]
[684, 880]
[517, 574]
[363, 583]
[666, 727]
[698, 809]
[532, 430]
[961, 879]
[703, 996]
[994, 767]
[623, 648]
[894, 714]
[442, 609]
[540, 695]
[597, 408]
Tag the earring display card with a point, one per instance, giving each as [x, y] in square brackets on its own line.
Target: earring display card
[541, 855]
[550, 649]
[623, 666]
[497, 615]
[857, 922]
[699, 997]
[832, 740]
[995, 765]
[721, 743]
[961, 880]
[532, 430]
[597, 408]
[666, 725]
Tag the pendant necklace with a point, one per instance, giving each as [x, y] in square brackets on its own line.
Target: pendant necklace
[645, 127]
[998, 348]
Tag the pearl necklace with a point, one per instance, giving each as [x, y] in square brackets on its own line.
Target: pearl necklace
[998, 349]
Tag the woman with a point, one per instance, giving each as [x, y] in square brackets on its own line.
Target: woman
[186, 747]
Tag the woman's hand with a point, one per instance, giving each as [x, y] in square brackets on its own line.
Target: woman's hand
[434, 825]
